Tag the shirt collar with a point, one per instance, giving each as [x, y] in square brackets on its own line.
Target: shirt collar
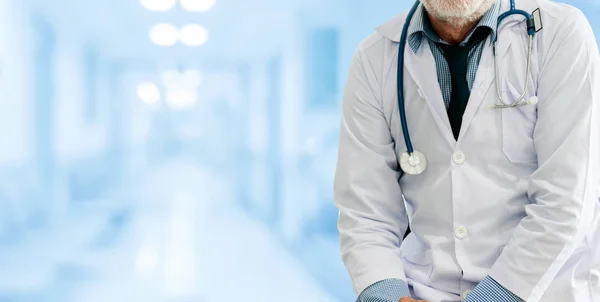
[420, 26]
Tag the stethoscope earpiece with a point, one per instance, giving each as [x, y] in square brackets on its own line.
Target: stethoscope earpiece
[533, 100]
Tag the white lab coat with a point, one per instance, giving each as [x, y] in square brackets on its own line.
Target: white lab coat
[516, 197]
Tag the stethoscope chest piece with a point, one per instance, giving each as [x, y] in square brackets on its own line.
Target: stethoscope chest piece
[413, 164]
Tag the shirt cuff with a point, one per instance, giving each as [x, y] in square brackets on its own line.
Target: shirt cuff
[489, 290]
[389, 290]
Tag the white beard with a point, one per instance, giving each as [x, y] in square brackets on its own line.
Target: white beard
[458, 12]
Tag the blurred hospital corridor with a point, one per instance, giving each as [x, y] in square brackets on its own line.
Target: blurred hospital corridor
[178, 236]
[176, 150]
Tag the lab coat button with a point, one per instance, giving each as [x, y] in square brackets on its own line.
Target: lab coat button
[464, 294]
[458, 157]
[460, 232]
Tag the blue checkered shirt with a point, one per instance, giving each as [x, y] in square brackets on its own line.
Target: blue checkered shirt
[488, 290]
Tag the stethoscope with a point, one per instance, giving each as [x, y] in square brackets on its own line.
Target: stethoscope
[414, 162]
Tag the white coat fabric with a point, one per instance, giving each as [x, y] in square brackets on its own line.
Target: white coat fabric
[515, 197]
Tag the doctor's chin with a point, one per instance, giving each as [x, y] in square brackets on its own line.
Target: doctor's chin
[299, 150]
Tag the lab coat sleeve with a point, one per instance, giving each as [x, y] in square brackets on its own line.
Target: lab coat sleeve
[372, 215]
[564, 189]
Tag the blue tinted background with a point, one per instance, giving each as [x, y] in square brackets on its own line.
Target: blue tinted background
[123, 178]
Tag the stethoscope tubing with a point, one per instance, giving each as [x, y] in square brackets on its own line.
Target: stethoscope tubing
[400, 78]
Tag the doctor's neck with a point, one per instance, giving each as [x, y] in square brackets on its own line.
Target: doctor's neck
[453, 20]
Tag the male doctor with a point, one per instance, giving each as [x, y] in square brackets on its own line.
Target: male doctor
[508, 207]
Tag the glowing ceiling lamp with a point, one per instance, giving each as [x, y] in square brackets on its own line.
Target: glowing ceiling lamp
[164, 34]
[148, 92]
[181, 98]
[158, 5]
[187, 79]
[193, 35]
[198, 5]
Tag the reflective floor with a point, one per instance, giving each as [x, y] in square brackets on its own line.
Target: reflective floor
[177, 234]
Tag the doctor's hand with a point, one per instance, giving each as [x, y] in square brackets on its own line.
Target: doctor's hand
[408, 299]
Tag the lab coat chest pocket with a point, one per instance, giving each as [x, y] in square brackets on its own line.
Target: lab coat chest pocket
[518, 124]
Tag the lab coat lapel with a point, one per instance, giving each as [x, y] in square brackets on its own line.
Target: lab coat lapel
[422, 69]
[484, 80]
